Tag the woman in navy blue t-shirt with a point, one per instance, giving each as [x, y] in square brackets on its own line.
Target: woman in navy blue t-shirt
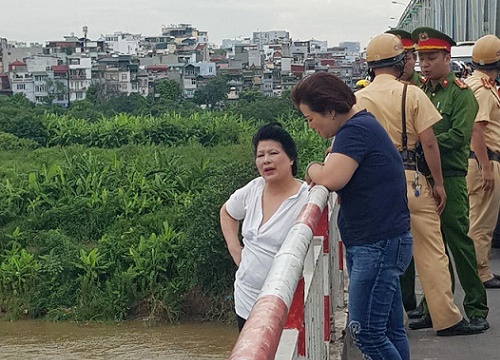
[366, 171]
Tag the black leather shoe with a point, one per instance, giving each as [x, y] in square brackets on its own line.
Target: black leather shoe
[493, 283]
[480, 323]
[416, 313]
[462, 328]
[424, 322]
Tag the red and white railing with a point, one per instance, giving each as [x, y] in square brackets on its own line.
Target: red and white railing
[300, 294]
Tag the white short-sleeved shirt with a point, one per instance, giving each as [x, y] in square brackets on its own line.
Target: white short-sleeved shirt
[260, 243]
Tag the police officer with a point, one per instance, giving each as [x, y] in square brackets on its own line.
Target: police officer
[383, 98]
[458, 107]
[409, 73]
[412, 77]
[483, 176]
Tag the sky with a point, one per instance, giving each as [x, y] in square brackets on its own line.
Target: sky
[331, 20]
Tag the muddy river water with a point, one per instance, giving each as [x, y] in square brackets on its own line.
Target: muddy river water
[130, 340]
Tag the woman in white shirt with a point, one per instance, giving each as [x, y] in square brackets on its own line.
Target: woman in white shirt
[268, 207]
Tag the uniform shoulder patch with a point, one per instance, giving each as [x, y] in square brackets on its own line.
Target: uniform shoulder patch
[486, 83]
[461, 84]
[423, 80]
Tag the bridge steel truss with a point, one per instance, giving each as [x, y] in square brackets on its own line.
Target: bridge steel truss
[463, 20]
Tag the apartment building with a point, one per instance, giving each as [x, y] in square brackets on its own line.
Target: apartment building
[80, 76]
[123, 43]
[262, 38]
[21, 80]
[118, 74]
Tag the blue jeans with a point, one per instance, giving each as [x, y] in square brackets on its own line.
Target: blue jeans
[375, 305]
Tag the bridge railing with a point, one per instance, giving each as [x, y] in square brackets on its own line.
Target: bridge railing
[300, 294]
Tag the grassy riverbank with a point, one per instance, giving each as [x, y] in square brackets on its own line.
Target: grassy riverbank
[118, 218]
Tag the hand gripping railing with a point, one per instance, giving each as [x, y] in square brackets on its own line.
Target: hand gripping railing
[261, 334]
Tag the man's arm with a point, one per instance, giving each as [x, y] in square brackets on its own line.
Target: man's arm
[433, 160]
[478, 144]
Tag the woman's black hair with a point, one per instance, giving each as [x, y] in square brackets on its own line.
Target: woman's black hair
[274, 131]
[323, 92]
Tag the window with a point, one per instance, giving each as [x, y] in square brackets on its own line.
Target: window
[21, 87]
[79, 96]
[124, 76]
[123, 87]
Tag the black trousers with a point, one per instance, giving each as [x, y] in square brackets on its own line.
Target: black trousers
[496, 235]
[241, 322]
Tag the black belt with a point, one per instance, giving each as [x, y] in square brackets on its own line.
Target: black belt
[494, 156]
[409, 166]
[454, 173]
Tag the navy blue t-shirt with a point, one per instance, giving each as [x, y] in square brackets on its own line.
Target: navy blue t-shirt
[373, 204]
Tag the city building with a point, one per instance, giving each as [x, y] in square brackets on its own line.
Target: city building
[353, 47]
[262, 38]
[124, 63]
[123, 43]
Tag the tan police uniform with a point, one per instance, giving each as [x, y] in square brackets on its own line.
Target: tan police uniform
[484, 206]
[383, 99]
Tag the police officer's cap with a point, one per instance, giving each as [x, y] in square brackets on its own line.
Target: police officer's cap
[429, 39]
[384, 50]
[486, 53]
[405, 38]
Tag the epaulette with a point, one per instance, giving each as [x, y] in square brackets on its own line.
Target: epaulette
[423, 80]
[486, 83]
[461, 84]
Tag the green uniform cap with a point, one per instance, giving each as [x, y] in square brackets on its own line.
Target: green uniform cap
[429, 39]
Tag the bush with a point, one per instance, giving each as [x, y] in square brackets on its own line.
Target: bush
[12, 142]
[206, 253]
[119, 217]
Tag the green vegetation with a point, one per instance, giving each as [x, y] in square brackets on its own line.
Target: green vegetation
[110, 208]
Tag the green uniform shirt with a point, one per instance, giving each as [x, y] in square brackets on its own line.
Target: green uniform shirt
[416, 79]
[458, 107]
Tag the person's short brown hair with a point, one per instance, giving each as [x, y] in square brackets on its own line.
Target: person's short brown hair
[323, 92]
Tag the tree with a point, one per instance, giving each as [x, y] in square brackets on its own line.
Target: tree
[212, 92]
[168, 89]
[56, 90]
[84, 109]
[96, 94]
[251, 95]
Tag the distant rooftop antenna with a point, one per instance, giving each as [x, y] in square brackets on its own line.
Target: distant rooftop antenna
[85, 31]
